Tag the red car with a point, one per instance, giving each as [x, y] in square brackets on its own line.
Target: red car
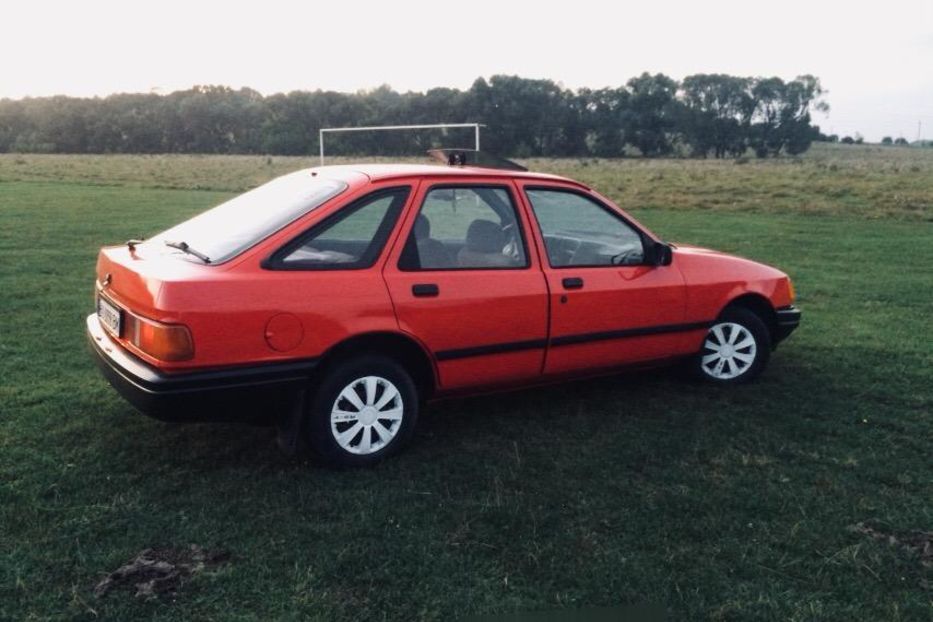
[336, 300]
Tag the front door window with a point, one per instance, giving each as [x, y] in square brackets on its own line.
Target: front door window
[580, 232]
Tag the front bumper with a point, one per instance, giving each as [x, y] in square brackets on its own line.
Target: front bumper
[787, 320]
[231, 394]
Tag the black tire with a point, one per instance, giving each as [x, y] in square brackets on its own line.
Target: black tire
[744, 370]
[319, 431]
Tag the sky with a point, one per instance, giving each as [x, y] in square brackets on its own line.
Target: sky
[875, 59]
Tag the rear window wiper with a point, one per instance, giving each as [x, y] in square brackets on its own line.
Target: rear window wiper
[183, 247]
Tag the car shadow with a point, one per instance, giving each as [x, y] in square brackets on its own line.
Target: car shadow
[664, 402]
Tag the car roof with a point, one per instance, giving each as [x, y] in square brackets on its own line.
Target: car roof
[381, 172]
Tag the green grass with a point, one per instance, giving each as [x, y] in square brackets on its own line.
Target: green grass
[719, 504]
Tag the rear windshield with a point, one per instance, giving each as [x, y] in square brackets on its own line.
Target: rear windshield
[230, 228]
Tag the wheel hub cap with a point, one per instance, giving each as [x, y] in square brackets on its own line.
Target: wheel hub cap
[366, 415]
[729, 351]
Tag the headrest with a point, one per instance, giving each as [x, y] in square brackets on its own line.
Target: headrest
[485, 236]
[422, 227]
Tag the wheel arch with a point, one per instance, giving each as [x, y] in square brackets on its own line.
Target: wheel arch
[760, 306]
[400, 347]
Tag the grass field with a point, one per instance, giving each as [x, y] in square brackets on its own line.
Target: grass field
[732, 504]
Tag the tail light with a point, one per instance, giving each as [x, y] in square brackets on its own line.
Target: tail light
[165, 342]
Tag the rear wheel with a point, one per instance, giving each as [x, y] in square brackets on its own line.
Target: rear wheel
[363, 411]
[736, 348]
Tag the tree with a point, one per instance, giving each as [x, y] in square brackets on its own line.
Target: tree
[717, 111]
[901, 141]
[715, 114]
[531, 117]
[765, 136]
[606, 110]
[781, 118]
[648, 122]
[13, 123]
[887, 140]
[847, 140]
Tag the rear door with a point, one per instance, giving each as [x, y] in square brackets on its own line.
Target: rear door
[466, 283]
[608, 306]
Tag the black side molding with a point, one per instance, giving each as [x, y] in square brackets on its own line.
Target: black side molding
[568, 340]
[496, 348]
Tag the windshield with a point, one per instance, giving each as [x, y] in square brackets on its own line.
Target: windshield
[230, 228]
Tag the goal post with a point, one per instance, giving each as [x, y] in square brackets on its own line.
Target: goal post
[378, 128]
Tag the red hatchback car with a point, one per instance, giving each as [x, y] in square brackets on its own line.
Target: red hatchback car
[335, 300]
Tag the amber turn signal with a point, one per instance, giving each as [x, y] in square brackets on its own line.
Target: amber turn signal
[165, 342]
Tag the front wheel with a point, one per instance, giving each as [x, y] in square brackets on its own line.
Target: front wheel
[736, 348]
[364, 410]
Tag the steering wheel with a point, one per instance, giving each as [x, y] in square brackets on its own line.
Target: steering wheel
[620, 259]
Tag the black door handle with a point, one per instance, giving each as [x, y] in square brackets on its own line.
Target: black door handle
[425, 290]
[573, 282]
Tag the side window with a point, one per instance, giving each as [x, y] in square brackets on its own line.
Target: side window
[350, 239]
[580, 232]
[465, 227]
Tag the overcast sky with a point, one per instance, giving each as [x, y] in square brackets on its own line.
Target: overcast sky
[874, 58]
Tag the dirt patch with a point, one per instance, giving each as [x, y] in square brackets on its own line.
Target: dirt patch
[157, 572]
[919, 543]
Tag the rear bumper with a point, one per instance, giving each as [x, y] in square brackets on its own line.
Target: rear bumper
[233, 394]
[788, 319]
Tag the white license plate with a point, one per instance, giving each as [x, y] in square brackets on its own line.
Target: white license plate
[110, 316]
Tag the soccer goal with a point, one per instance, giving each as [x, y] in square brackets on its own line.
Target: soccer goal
[379, 128]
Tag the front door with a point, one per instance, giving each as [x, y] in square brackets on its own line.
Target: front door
[608, 306]
[464, 282]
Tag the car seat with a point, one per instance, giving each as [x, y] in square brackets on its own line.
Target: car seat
[431, 253]
[483, 249]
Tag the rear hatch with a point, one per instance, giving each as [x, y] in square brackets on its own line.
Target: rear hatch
[131, 301]
[136, 284]
[134, 279]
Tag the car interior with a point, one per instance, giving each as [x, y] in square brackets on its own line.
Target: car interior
[486, 245]
[588, 248]
[353, 239]
[481, 231]
[478, 229]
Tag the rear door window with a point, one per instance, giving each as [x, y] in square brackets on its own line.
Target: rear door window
[465, 227]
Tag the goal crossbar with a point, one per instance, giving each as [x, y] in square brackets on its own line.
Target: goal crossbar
[376, 128]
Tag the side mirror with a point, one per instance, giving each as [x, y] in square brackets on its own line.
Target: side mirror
[659, 254]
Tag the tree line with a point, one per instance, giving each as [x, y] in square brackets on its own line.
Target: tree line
[704, 115]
